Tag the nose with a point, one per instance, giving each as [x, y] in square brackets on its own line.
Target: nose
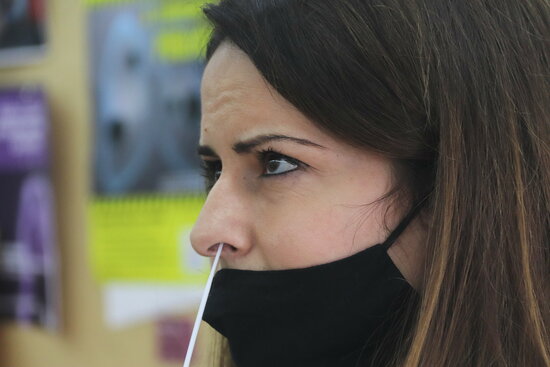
[225, 218]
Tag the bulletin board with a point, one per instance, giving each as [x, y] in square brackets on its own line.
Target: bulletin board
[84, 337]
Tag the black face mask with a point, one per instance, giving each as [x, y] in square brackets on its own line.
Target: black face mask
[334, 314]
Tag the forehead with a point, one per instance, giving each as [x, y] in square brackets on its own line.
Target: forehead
[237, 99]
[230, 70]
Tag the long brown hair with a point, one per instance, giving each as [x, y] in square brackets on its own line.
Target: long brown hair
[458, 94]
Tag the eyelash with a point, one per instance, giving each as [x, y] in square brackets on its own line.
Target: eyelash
[209, 171]
[212, 169]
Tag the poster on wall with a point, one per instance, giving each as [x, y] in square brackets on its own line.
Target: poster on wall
[146, 60]
[22, 31]
[29, 287]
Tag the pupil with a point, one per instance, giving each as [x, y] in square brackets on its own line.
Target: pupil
[273, 165]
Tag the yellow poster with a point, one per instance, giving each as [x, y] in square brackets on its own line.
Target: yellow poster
[146, 239]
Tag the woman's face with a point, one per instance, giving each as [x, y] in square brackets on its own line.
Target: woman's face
[284, 193]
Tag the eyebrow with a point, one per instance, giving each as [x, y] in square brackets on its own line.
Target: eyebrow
[247, 146]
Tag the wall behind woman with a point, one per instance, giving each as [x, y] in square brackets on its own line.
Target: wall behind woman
[83, 340]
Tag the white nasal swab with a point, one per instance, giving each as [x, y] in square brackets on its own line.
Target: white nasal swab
[201, 309]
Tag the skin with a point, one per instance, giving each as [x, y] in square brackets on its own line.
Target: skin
[318, 211]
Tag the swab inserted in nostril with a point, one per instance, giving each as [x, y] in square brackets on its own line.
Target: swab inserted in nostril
[202, 305]
[214, 248]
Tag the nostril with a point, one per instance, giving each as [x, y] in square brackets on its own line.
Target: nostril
[213, 248]
[226, 247]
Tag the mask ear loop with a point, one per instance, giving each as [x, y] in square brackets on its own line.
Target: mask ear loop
[202, 305]
[403, 224]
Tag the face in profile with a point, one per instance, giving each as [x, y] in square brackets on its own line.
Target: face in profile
[283, 194]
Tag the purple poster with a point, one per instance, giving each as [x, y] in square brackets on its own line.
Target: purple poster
[28, 267]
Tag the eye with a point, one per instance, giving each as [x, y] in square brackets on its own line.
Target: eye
[277, 164]
[211, 171]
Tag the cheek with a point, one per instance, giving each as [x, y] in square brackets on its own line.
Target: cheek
[310, 235]
[311, 220]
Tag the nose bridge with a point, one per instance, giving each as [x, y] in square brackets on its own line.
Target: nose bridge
[223, 218]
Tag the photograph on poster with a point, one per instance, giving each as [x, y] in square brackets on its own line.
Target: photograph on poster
[146, 71]
[22, 31]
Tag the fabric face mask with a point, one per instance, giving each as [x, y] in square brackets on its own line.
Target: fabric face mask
[332, 314]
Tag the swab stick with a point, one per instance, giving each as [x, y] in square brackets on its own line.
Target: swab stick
[202, 305]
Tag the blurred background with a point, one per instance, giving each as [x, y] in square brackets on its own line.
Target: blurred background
[100, 182]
